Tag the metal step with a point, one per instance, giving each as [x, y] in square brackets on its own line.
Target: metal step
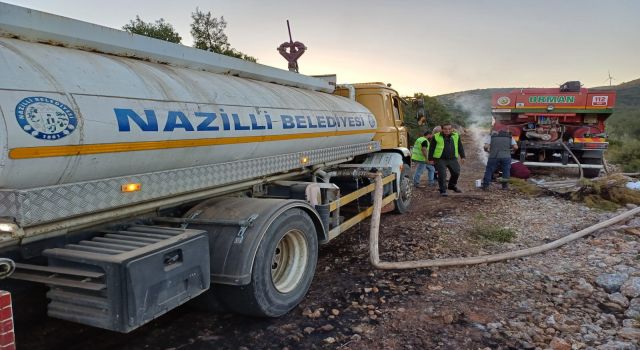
[60, 276]
[108, 243]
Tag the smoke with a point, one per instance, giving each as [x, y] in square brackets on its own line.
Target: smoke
[478, 107]
[478, 139]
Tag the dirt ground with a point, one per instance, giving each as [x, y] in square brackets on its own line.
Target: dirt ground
[351, 305]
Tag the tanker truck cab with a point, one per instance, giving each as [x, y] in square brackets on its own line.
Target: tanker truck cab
[216, 179]
[385, 104]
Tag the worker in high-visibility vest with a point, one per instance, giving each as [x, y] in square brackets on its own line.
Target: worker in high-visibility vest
[420, 156]
[446, 148]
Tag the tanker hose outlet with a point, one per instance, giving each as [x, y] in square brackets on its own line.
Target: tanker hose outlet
[7, 266]
[356, 174]
[326, 177]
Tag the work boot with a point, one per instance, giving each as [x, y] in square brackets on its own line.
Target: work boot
[443, 194]
[455, 189]
[418, 186]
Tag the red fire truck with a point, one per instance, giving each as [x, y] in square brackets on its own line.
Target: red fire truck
[557, 127]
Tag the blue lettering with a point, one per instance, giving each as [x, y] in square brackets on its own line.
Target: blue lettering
[206, 123]
[342, 121]
[287, 122]
[254, 123]
[269, 123]
[322, 122]
[331, 122]
[237, 124]
[225, 120]
[123, 116]
[300, 121]
[359, 121]
[351, 122]
[311, 125]
[172, 121]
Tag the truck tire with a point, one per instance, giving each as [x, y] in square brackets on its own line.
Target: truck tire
[283, 268]
[404, 192]
[591, 173]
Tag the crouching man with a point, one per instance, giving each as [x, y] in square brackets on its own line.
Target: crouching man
[499, 144]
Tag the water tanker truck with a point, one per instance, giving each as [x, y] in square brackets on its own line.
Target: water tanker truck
[557, 127]
[137, 174]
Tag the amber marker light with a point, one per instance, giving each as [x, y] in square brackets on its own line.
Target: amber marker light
[304, 160]
[131, 187]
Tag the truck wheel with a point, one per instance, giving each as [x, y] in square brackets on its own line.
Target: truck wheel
[282, 271]
[404, 192]
[591, 173]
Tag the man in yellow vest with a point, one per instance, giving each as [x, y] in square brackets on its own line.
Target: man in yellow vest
[446, 148]
[420, 155]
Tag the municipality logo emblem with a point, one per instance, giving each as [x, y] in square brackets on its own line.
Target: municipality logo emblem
[504, 100]
[45, 118]
[372, 121]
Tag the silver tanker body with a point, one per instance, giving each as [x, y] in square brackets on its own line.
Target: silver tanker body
[146, 173]
[71, 115]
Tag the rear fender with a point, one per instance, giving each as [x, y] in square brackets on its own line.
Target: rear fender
[233, 250]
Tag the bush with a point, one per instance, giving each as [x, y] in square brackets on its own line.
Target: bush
[606, 193]
[624, 127]
[525, 187]
[626, 153]
[486, 231]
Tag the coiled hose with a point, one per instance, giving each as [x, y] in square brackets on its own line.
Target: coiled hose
[375, 227]
[7, 266]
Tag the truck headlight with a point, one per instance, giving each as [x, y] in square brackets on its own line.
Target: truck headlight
[5, 227]
[9, 231]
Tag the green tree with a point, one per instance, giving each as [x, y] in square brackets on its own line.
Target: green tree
[160, 29]
[437, 113]
[208, 34]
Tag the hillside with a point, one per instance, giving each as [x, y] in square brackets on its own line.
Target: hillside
[473, 105]
[628, 94]
[477, 103]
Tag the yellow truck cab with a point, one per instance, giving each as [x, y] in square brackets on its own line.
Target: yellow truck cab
[391, 132]
[385, 104]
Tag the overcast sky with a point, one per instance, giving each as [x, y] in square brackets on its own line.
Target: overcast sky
[433, 47]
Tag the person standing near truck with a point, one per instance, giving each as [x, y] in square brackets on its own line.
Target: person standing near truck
[446, 148]
[499, 144]
[420, 155]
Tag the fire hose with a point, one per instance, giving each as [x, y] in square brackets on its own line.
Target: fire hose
[415, 264]
[7, 266]
[574, 158]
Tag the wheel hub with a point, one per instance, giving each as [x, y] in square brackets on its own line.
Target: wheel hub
[289, 261]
